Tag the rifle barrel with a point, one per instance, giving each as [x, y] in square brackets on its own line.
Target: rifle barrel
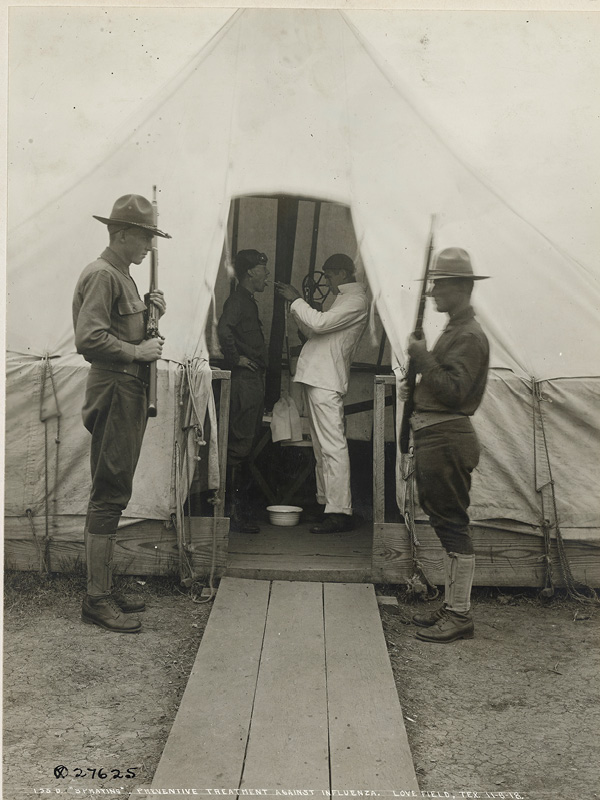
[411, 371]
[152, 322]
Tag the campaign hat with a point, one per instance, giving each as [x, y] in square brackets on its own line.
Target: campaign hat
[453, 262]
[134, 210]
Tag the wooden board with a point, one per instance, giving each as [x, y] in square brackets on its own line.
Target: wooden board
[292, 689]
[207, 743]
[379, 446]
[279, 553]
[377, 552]
[369, 748]
[143, 548]
[288, 746]
[503, 557]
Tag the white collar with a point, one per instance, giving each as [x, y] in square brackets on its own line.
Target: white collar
[351, 288]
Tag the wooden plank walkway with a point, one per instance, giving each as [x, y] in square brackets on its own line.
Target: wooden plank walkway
[291, 690]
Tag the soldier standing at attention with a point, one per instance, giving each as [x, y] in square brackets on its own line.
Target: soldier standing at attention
[453, 379]
[109, 320]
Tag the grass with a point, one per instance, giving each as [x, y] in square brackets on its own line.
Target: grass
[42, 590]
[505, 595]
[70, 581]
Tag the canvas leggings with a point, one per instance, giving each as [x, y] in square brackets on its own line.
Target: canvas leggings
[445, 456]
[115, 413]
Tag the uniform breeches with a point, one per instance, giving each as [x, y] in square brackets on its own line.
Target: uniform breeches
[245, 413]
[326, 420]
[445, 456]
[115, 413]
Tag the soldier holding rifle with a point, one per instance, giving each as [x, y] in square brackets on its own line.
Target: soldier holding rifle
[453, 378]
[110, 329]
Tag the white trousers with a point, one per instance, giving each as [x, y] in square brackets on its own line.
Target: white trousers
[325, 409]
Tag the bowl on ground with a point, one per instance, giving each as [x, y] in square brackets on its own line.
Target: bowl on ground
[285, 516]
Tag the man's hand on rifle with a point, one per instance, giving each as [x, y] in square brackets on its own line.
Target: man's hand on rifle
[416, 347]
[403, 390]
[149, 349]
[157, 298]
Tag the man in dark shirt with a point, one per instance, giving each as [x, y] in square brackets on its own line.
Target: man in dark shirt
[453, 379]
[243, 346]
[109, 323]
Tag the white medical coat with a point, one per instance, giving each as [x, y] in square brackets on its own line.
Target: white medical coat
[334, 334]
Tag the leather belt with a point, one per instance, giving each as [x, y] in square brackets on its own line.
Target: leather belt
[138, 369]
[425, 419]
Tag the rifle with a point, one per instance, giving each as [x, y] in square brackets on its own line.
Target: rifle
[411, 371]
[152, 320]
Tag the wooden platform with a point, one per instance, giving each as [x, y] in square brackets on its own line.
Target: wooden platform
[381, 553]
[507, 555]
[279, 553]
[142, 548]
[292, 689]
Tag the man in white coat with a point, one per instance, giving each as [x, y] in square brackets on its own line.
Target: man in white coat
[323, 370]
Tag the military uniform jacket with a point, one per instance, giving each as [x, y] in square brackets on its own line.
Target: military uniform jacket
[454, 373]
[240, 330]
[109, 317]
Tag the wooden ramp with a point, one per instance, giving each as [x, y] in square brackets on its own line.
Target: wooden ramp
[291, 691]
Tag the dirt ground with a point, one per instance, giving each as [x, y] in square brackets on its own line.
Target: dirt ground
[515, 710]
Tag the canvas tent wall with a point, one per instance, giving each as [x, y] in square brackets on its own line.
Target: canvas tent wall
[302, 107]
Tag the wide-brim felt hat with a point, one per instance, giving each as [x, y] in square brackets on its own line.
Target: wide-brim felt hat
[135, 210]
[453, 262]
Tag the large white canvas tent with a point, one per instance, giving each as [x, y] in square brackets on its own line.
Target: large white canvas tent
[298, 103]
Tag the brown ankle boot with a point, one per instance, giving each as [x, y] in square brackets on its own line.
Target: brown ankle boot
[457, 622]
[128, 603]
[105, 612]
[239, 525]
[236, 510]
[450, 627]
[427, 619]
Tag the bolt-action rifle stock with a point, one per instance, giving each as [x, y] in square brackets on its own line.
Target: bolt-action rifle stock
[411, 372]
[153, 316]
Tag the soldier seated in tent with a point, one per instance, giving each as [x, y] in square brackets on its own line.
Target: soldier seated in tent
[453, 380]
[243, 345]
[323, 370]
[110, 325]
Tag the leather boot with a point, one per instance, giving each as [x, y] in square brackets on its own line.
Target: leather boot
[457, 622]
[99, 607]
[429, 618]
[452, 626]
[229, 490]
[129, 604]
[238, 522]
[334, 523]
[105, 612]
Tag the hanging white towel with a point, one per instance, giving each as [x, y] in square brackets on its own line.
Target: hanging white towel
[285, 423]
